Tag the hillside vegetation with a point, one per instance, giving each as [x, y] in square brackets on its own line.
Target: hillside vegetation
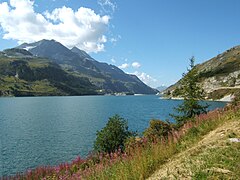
[213, 157]
[23, 75]
[219, 76]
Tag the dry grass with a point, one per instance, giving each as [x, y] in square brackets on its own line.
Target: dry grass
[212, 157]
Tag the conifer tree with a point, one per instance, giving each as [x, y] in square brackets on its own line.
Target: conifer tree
[193, 94]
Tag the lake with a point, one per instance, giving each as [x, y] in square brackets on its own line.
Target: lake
[39, 131]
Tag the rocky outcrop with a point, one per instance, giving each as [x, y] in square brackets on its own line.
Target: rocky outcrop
[219, 76]
[229, 81]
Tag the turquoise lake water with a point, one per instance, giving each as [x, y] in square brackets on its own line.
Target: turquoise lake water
[38, 131]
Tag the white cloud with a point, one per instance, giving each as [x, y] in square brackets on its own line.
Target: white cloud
[82, 28]
[114, 40]
[124, 66]
[146, 78]
[136, 65]
[108, 6]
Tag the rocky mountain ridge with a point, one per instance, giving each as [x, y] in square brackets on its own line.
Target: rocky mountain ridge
[64, 71]
[219, 76]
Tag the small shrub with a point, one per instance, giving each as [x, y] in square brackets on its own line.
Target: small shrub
[113, 135]
[157, 129]
[194, 131]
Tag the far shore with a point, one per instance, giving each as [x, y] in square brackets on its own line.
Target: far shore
[228, 98]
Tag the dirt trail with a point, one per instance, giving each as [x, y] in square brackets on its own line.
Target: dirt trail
[180, 166]
[234, 87]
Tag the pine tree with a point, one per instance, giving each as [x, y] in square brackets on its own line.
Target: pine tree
[192, 93]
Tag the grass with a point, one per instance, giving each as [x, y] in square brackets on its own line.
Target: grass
[220, 93]
[140, 165]
[219, 163]
[38, 63]
[216, 159]
[221, 65]
[43, 87]
[185, 147]
[209, 154]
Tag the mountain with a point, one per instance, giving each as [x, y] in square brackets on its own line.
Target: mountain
[161, 88]
[82, 54]
[28, 69]
[22, 74]
[219, 76]
[56, 52]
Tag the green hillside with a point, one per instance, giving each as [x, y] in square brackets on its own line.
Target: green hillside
[24, 75]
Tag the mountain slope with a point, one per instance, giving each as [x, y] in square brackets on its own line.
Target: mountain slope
[55, 51]
[108, 78]
[161, 88]
[22, 74]
[219, 76]
[82, 54]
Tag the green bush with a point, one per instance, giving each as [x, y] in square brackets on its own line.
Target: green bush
[157, 129]
[113, 135]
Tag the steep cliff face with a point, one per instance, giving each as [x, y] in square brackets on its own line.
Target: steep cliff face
[219, 76]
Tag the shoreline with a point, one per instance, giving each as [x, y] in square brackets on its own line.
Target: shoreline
[227, 98]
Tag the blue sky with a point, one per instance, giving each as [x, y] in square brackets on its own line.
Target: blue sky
[153, 39]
